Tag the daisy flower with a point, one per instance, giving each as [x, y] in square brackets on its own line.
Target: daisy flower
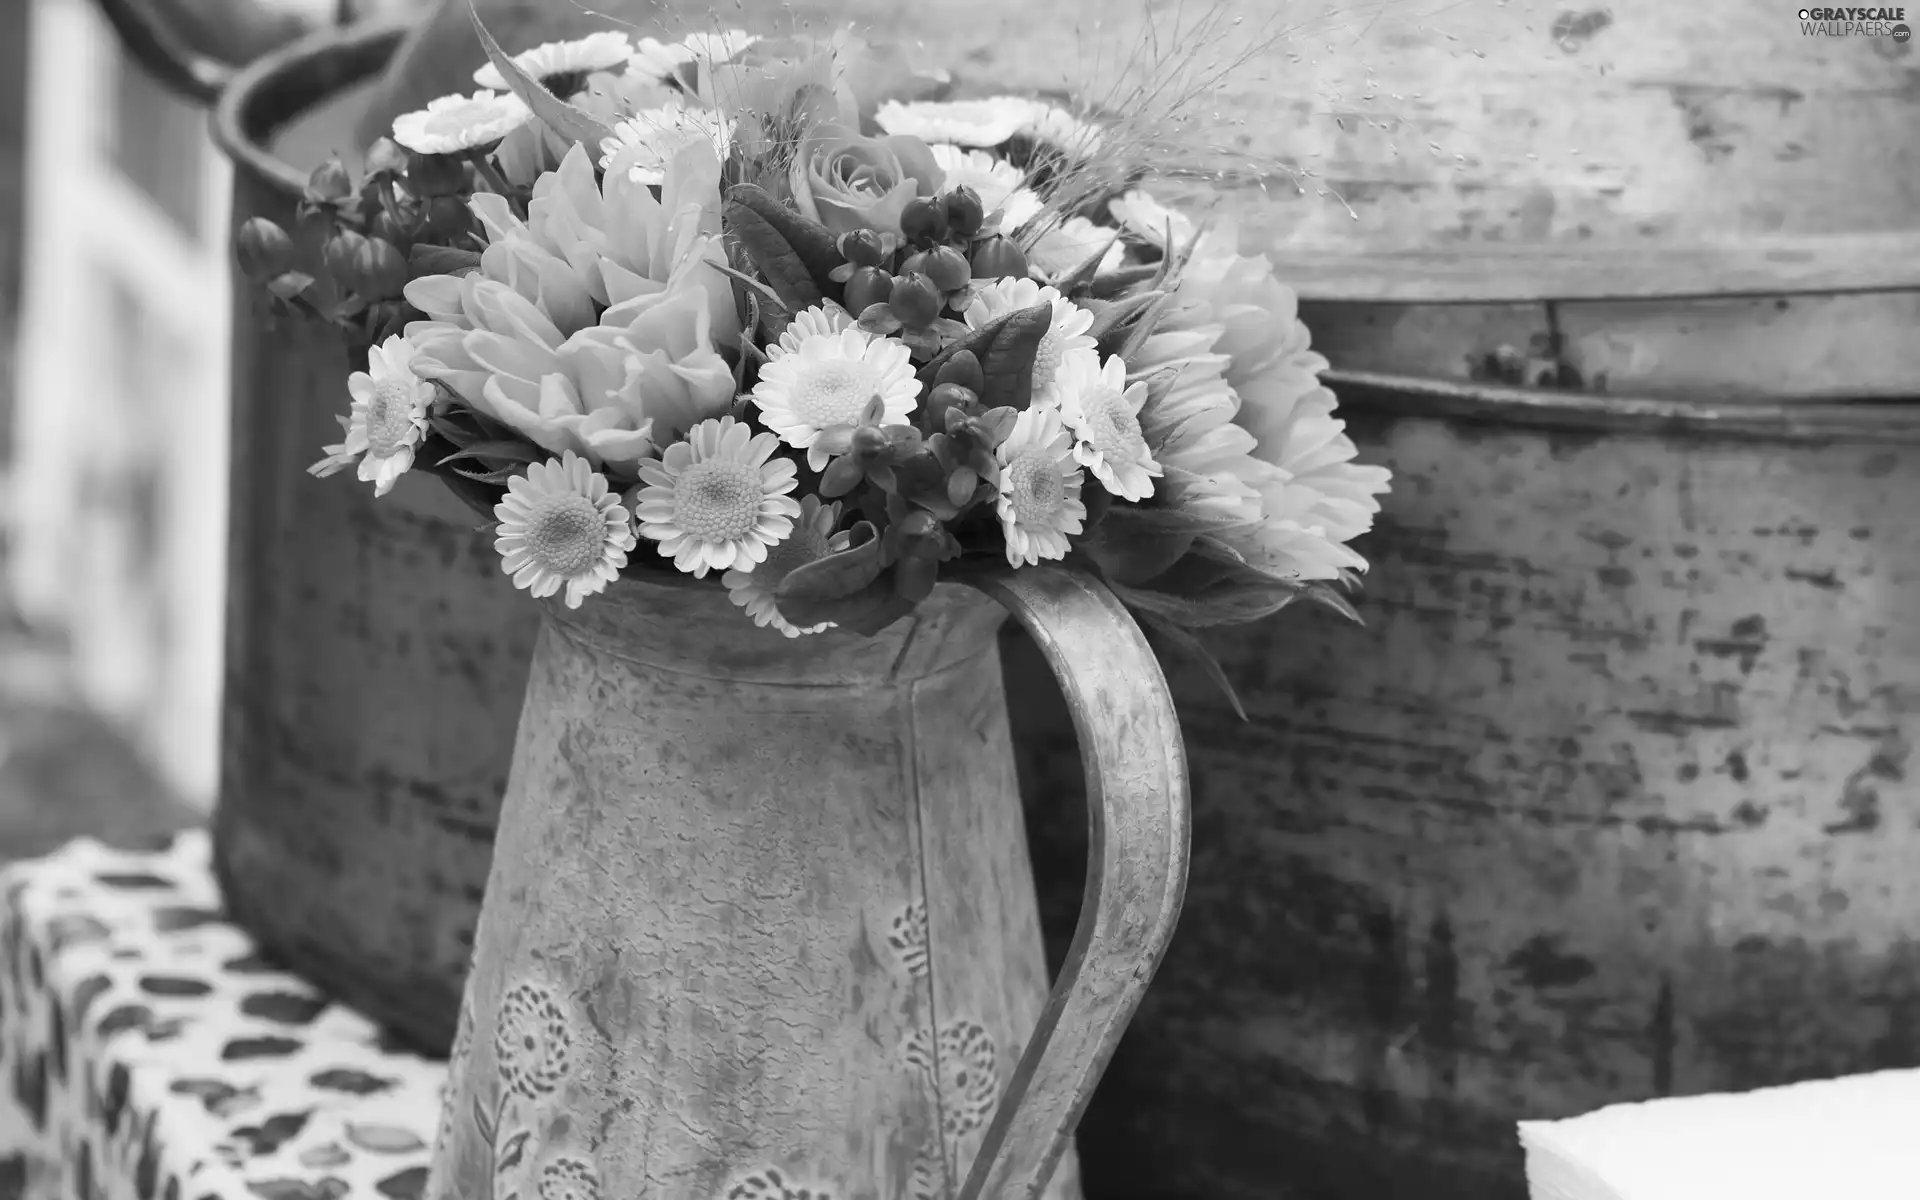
[822, 320]
[1021, 207]
[1072, 241]
[646, 142]
[988, 122]
[560, 525]
[1062, 129]
[812, 539]
[1148, 219]
[562, 67]
[457, 124]
[994, 180]
[654, 59]
[1039, 505]
[828, 380]
[1065, 338]
[719, 499]
[387, 421]
[1103, 411]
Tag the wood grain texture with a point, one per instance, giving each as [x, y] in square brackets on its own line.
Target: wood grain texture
[375, 654]
[760, 923]
[1613, 797]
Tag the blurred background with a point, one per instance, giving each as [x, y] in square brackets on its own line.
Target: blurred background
[113, 426]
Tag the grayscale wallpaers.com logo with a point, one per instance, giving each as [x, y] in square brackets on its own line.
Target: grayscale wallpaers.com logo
[1855, 22]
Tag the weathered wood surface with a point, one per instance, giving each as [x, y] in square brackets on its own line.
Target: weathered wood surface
[1612, 798]
[760, 914]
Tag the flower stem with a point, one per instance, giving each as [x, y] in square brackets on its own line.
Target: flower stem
[484, 164]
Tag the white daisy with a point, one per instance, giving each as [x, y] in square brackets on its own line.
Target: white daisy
[1066, 337]
[1021, 207]
[644, 143]
[1062, 129]
[1039, 503]
[387, 420]
[654, 59]
[988, 122]
[822, 320]
[812, 539]
[566, 64]
[1103, 411]
[1148, 219]
[1066, 244]
[561, 525]
[828, 380]
[457, 124]
[994, 180]
[719, 499]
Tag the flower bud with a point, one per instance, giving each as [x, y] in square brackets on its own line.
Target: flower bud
[924, 220]
[948, 268]
[386, 160]
[263, 249]
[965, 213]
[915, 301]
[945, 396]
[870, 445]
[339, 254]
[868, 287]
[379, 269]
[329, 181]
[918, 524]
[449, 217]
[999, 258]
[914, 577]
[962, 367]
[436, 175]
[863, 248]
[387, 228]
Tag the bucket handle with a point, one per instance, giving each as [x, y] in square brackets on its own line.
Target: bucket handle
[1138, 825]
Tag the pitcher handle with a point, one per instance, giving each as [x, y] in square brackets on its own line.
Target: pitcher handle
[152, 38]
[1138, 819]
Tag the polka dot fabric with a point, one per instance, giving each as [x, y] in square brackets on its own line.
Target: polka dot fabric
[147, 1052]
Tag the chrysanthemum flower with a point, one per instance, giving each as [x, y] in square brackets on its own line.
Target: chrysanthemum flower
[643, 144]
[994, 180]
[457, 124]
[812, 539]
[1103, 411]
[654, 59]
[1039, 505]
[829, 379]
[1065, 243]
[1206, 460]
[1148, 219]
[560, 64]
[1065, 338]
[972, 123]
[822, 320]
[561, 526]
[387, 421]
[718, 500]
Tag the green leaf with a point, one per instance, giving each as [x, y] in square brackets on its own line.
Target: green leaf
[576, 125]
[1117, 283]
[519, 452]
[1142, 519]
[1134, 556]
[1226, 604]
[512, 1152]
[440, 260]
[1144, 326]
[866, 612]
[834, 577]
[1196, 651]
[812, 243]
[1112, 321]
[1006, 349]
[775, 257]
[290, 284]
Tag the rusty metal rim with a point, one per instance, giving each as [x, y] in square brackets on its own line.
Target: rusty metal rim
[1602, 413]
[278, 88]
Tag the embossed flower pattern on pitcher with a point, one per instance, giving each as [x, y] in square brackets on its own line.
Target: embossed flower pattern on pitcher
[531, 1041]
[771, 1183]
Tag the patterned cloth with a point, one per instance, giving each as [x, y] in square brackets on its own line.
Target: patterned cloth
[148, 1053]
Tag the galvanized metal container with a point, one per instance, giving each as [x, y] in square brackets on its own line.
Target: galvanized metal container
[376, 656]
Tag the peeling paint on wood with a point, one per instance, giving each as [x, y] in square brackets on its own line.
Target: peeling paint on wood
[1613, 798]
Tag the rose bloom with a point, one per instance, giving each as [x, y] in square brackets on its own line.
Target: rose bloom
[849, 182]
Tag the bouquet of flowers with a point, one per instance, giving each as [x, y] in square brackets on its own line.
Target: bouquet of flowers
[768, 308]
